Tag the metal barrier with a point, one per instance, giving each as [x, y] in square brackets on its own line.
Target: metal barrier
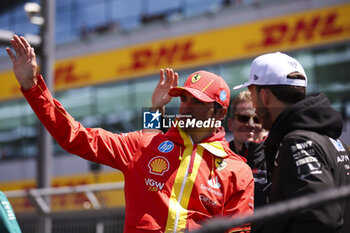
[111, 220]
[97, 220]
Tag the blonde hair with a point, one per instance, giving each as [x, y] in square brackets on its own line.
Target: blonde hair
[243, 97]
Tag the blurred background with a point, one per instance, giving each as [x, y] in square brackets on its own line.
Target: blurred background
[106, 64]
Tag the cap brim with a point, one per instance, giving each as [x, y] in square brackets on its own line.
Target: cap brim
[241, 86]
[178, 91]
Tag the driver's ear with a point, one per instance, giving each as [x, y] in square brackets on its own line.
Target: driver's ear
[265, 96]
[221, 114]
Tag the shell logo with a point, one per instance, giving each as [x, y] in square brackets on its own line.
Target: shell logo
[158, 166]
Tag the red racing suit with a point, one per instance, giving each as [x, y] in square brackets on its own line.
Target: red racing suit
[171, 184]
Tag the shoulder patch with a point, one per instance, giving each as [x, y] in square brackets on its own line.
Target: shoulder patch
[220, 164]
[337, 144]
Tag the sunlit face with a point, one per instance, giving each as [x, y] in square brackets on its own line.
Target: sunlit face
[244, 124]
[261, 110]
[195, 108]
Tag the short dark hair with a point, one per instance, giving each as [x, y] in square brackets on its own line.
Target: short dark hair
[287, 93]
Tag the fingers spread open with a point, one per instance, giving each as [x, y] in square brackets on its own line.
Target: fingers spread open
[169, 76]
[14, 46]
[10, 53]
[25, 42]
[26, 45]
[20, 45]
[176, 80]
[161, 80]
[32, 53]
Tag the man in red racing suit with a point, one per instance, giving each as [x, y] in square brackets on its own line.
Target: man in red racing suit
[173, 181]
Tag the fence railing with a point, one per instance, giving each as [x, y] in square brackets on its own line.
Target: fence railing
[98, 219]
[272, 211]
[37, 195]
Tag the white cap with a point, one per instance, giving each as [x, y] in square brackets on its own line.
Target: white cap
[272, 69]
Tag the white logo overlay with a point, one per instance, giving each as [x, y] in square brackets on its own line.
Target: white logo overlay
[155, 120]
[151, 120]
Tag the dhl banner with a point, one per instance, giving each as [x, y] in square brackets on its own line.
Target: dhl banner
[294, 31]
[76, 201]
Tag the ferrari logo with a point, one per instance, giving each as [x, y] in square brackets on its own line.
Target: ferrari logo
[195, 78]
[220, 164]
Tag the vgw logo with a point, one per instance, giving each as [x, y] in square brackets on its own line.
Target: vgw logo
[151, 120]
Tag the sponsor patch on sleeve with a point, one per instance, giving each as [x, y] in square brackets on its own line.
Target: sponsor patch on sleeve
[337, 144]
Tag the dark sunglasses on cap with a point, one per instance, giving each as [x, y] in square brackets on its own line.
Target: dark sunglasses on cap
[246, 118]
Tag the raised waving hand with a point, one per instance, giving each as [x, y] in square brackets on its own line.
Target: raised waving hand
[168, 79]
[23, 61]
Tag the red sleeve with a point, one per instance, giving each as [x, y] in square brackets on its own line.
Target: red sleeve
[241, 202]
[94, 144]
